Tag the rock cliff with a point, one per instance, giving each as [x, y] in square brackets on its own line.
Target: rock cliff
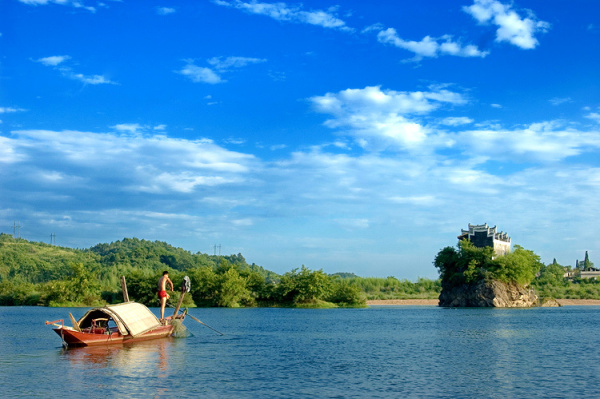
[488, 294]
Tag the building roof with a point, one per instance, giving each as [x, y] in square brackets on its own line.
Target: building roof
[484, 228]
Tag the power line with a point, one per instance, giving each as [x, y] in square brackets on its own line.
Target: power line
[215, 252]
[17, 229]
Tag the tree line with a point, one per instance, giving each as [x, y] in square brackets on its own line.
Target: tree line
[33, 273]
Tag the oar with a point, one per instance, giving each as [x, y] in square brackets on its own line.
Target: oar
[204, 324]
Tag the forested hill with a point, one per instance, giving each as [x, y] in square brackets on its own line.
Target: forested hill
[39, 273]
[158, 255]
[33, 273]
[35, 262]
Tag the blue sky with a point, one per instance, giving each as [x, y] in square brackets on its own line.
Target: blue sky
[349, 136]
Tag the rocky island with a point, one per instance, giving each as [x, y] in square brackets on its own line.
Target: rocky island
[491, 293]
[483, 271]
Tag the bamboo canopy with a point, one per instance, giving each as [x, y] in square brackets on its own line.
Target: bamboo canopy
[131, 318]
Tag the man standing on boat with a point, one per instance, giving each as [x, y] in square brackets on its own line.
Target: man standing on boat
[162, 292]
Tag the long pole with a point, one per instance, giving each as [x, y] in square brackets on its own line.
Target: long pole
[204, 324]
[199, 321]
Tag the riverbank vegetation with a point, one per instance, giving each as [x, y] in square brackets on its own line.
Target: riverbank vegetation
[40, 274]
[33, 273]
[468, 264]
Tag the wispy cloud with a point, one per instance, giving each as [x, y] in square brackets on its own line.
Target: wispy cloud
[138, 162]
[228, 63]
[59, 63]
[71, 3]
[165, 10]
[219, 66]
[286, 13]
[595, 116]
[560, 100]
[200, 74]
[538, 142]
[456, 121]
[512, 27]
[430, 47]
[10, 110]
[54, 60]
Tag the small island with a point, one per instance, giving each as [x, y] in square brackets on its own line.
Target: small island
[483, 271]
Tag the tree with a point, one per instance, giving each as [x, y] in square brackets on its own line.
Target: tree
[232, 291]
[344, 293]
[520, 266]
[304, 286]
[587, 264]
[469, 264]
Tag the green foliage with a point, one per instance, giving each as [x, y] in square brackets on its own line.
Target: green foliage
[587, 264]
[392, 288]
[40, 274]
[469, 264]
[142, 287]
[19, 294]
[519, 266]
[304, 286]
[232, 290]
[343, 293]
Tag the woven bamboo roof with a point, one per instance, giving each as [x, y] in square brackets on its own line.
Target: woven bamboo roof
[130, 317]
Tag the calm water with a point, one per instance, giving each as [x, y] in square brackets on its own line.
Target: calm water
[379, 352]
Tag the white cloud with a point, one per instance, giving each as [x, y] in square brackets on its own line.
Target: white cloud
[220, 65]
[512, 27]
[283, 12]
[226, 63]
[57, 62]
[91, 79]
[200, 74]
[538, 142]
[128, 127]
[165, 10]
[72, 3]
[595, 116]
[136, 163]
[456, 121]
[560, 100]
[54, 60]
[10, 110]
[375, 117]
[428, 46]
[398, 121]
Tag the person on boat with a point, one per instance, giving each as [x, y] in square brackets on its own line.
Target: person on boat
[162, 292]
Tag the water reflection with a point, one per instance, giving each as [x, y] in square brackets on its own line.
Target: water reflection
[141, 361]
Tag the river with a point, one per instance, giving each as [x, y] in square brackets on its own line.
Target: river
[377, 352]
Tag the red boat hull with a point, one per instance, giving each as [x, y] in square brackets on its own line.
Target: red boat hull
[74, 338]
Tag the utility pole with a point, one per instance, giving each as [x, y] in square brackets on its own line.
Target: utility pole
[215, 252]
[52, 239]
[17, 230]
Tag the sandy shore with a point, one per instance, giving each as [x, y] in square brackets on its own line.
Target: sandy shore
[407, 302]
[434, 302]
[579, 302]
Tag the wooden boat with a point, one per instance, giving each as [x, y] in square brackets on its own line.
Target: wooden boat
[116, 324]
[119, 324]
